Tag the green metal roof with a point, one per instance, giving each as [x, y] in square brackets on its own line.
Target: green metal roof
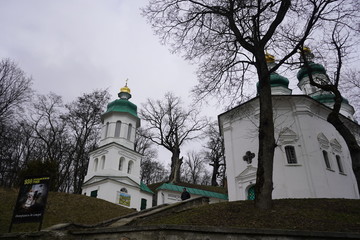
[176, 188]
[276, 80]
[315, 68]
[145, 188]
[328, 97]
[122, 105]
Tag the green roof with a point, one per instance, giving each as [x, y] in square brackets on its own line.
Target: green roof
[176, 188]
[122, 105]
[328, 97]
[276, 80]
[315, 68]
[145, 188]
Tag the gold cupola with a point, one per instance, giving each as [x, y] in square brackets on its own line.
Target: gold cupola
[269, 58]
[125, 92]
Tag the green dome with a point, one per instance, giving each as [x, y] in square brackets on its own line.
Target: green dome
[122, 105]
[276, 80]
[315, 68]
[328, 98]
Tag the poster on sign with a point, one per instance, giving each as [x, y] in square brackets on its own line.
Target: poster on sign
[31, 201]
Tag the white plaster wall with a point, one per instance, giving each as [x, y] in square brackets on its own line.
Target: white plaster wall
[307, 179]
[125, 119]
[109, 191]
[112, 155]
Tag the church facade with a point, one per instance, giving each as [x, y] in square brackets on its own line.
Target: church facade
[114, 167]
[311, 159]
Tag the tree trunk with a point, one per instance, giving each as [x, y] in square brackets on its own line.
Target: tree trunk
[215, 173]
[264, 183]
[176, 162]
[351, 142]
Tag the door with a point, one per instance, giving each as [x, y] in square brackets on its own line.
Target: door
[251, 193]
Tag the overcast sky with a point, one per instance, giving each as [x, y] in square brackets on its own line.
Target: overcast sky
[74, 46]
[71, 47]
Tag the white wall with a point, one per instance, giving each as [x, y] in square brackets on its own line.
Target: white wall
[309, 178]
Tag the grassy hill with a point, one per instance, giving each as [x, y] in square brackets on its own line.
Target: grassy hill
[331, 215]
[335, 215]
[61, 208]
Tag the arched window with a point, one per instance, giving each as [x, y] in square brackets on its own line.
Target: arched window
[290, 154]
[123, 190]
[130, 166]
[102, 162]
[326, 159]
[338, 161]
[117, 128]
[106, 129]
[121, 163]
[96, 161]
[129, 131]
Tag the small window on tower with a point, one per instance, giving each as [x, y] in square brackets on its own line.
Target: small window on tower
[290, 155]
[106, 129]
[102, 162]
[96, 162]
[121, 163]
[117, 128]
[338, 161]
[130, 166]
[326, 159]
[129, 131]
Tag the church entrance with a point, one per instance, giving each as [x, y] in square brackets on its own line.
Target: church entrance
[251, 193]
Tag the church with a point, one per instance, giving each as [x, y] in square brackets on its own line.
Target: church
[311, 159]
[114, 167]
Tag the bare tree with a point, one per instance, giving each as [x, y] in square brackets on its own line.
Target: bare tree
[350, 88]
[194, 167]
[214, 154]
[14, 96]
[50, 132]
[170, 125]
[83, 120]
[151, 171]
[230, 38]
[14, 89]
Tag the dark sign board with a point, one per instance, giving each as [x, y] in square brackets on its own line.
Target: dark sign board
[31, 201]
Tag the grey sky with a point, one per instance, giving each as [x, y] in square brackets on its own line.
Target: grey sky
[74, 46]
[70, 47]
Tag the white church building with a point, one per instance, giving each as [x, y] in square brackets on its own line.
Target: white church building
[114, 167]
[311, 159]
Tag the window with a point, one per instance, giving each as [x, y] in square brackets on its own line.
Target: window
[96, 161]
[123, 190]
[130, 166]
[129, 131]
[106, 129]
[117, 128]
[102, 162]
[338, 161]
[121, 163]
[290, 155]
[326, 159]
[94, 193]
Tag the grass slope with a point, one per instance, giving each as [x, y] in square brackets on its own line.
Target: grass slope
[332, 215]
[61, 208]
